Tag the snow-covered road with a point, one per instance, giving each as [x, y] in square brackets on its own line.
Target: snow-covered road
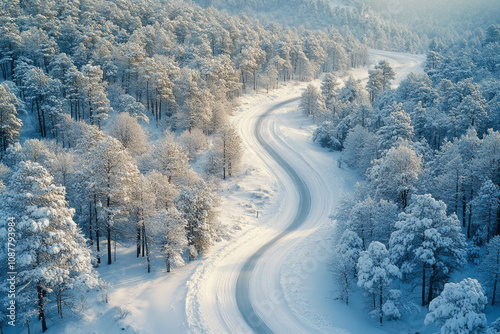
[255, 283]
[240, 290]
[303, 208]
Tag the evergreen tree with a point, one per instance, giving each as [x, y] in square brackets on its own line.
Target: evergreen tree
[394, 176]
[427, 243]
[52, 255]
[10, 124]
[197, 203]
[375, 273]
[490, 268]
[459, 308]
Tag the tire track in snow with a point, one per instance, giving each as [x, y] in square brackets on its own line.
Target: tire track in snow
[245, 306]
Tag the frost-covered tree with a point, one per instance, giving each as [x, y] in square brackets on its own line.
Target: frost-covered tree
[344, 262]
[63, 166]
[397, 126]
[52, 255]
[144, 208]
[375, 274]
[352, 92]
[164, 191]
[359, 148]
[486, 206]
[197, 204]
[226, 153]
[95, 94]
[168, 157]
[329, 91]
[494, 328]
[43, 93]
[312, 104]
[490, 268]
[128, 104]
[372, 220]
[394, 176]
[10, 124]
[192, 142]
[111, 177]
[380, 78]
[171, 228]
[459, 308]
[34, 150]
[130, 133]
[427, 244]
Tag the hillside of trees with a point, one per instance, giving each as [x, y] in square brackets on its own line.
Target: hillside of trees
[429, 202]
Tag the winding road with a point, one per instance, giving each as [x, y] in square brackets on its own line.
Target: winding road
[267, 279]
[243, 283]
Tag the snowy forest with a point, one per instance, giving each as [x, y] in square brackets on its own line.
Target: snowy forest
[139, 169]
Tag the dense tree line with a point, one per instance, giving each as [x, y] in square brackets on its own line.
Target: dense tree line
[430, 201]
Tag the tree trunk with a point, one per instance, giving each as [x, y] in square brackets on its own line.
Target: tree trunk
[464, 208]
[109, 243]
[224, 159]
[430, 295]
[108, 227]
[495, 282]
[39, 117]
[381, 301]
[254, 80]
[494, 290]
[98, 246]
[143, 238]
[498, 223]
[148, 257]
[138, 240]
[90, 224]
[423, 286]
[168, 263]
[469, 223]
[41, 306]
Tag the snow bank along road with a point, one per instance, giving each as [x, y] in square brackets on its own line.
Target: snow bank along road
[240, 288]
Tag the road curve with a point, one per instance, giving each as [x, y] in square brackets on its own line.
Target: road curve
[245, 306]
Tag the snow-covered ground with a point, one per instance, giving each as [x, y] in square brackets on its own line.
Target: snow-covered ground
[290, 287]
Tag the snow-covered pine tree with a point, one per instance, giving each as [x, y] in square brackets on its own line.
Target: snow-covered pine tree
[344, 262]
[193, 141]
[111, 177]
[312, 104]
[52, 255]
[10, 124]
[486, 205]
[143, 208]
[168, 157]
[394, 176]
[494, 328]
[329, 91]
[375, 274]
[170, 229]
[490, 268]
[95, 94]
[130, 133]
[459, 308]
[197, 204]
[397, 125]
[226, 153]
[427, 244]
